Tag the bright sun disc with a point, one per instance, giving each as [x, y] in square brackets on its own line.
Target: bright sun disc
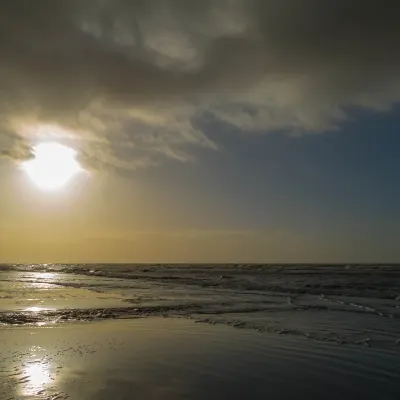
[53, 165]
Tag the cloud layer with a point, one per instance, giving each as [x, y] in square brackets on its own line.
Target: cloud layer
[126, 80]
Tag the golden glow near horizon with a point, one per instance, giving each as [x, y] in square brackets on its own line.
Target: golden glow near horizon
[53, 166]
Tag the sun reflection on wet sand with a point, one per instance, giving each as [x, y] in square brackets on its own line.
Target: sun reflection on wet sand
[36, 377]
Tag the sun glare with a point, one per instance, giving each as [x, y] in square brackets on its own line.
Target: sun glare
[53, 165]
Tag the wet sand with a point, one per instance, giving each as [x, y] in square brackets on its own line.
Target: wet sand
[172, 358]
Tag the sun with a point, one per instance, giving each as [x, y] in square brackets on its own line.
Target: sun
[53, 165]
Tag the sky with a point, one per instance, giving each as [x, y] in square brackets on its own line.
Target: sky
[213, 131]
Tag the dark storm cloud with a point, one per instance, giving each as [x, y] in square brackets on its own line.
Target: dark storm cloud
[14, 147]
[137, 73]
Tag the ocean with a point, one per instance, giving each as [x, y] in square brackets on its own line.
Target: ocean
[287, 331]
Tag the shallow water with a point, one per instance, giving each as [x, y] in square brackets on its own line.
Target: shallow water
[336, 303]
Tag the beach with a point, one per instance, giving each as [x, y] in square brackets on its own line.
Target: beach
[169, 358]
[172, 332]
